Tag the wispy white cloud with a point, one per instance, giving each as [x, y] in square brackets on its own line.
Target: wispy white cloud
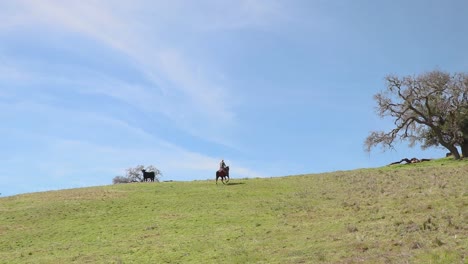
[188, 94]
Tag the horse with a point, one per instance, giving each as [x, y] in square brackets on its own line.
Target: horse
[222, 173]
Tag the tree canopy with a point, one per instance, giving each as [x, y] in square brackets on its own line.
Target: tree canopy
[430, 109]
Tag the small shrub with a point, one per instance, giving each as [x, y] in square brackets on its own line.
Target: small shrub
[121, 179]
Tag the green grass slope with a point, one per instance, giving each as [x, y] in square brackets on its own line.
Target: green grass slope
[399, 214]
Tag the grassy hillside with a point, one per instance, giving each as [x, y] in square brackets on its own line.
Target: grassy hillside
[399, 214]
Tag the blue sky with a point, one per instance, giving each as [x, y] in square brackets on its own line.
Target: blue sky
[90, 88]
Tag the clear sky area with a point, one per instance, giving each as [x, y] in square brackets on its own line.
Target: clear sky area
[273, 87]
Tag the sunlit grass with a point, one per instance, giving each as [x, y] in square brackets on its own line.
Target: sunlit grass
[396, 214]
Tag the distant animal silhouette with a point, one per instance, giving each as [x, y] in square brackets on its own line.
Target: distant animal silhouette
[148, 175]
[223, 174]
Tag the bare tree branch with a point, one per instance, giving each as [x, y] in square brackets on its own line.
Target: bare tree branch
[431, 108]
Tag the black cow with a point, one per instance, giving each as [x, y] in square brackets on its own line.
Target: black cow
[148, 175]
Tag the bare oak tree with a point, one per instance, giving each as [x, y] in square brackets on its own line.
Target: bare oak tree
[431, 109]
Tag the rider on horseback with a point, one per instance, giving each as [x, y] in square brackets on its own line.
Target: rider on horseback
[222, 165]
[223, 172]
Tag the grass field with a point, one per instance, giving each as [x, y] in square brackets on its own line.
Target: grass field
[399, 214]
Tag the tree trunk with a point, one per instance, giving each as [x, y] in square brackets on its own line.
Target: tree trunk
[455, 153]
[453, 150]
[464, 148]
[451, 147]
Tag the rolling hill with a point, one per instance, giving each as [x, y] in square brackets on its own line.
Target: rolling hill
[396, 214]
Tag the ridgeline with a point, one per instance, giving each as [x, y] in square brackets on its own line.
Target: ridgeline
[415, 213]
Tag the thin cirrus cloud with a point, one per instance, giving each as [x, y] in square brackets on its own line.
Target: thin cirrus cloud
[168, 70]
[181, 88]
